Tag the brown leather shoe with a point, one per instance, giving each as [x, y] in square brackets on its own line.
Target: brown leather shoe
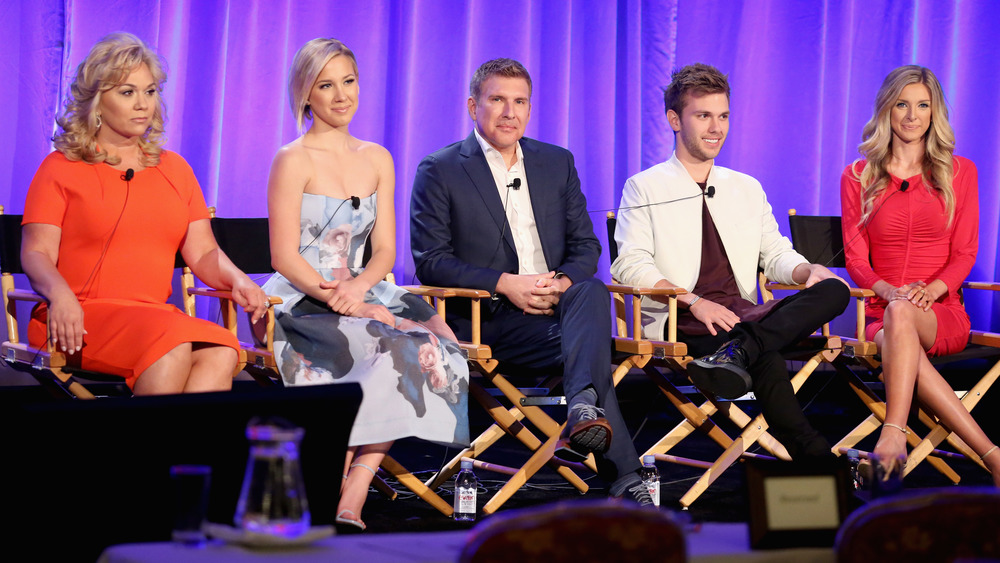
[585, 431]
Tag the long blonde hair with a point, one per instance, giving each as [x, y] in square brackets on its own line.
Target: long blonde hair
[108, 64]
[876, 146]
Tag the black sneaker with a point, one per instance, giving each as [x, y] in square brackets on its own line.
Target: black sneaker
[586, 431]
[638, 494]
[722, 373]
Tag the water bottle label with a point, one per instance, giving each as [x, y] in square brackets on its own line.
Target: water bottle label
[654, 491]
[465, 500]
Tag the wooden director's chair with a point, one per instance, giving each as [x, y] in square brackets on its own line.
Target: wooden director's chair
[524, 408]
[48, 365]
[247, 242]
[658, 358]
[820, 239]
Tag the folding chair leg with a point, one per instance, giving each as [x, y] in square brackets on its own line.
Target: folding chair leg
[696, 417]
[509, 420]
[71, 385]
[939, 433]
[541, 456]
[765, 440]
[475, 449]
[409, 481]
[874, 421]
[733, 453]
[385, 488]
[860, 432]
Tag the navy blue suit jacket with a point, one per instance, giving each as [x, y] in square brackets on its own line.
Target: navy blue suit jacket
[457, 215]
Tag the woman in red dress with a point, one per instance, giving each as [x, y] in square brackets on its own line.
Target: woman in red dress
[911, 218]
[104, 217]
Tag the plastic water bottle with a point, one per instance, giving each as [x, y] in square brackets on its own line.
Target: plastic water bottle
[853, 461]
[651, 478]
[465, 493]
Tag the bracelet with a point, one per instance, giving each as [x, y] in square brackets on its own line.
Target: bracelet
[896, 426]
[693, 301]
[988, 452]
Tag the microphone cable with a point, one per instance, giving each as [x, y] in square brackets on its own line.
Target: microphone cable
[902, 188]
[709, 192]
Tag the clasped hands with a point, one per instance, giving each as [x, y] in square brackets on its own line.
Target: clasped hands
[533, 294]
[348, 298]
[921, 294]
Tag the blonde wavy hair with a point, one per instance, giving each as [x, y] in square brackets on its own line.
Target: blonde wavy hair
[876, 146]
[306, 66]
[108, 65]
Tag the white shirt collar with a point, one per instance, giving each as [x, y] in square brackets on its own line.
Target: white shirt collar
[493, 154]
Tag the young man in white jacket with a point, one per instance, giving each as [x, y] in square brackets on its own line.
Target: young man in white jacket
[688, 223]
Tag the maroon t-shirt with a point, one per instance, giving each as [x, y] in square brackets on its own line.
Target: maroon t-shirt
[716, 281]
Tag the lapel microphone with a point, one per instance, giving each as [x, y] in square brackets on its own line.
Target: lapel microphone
[128, 175]
[516, 184]
[355, 202]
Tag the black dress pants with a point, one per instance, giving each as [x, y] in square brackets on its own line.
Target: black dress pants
[792, 320]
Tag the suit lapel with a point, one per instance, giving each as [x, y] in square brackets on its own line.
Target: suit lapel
[474, 163]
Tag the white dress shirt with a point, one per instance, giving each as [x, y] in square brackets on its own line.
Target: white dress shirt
[517, 205]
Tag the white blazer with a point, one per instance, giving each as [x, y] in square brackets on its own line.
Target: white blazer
[663, 240]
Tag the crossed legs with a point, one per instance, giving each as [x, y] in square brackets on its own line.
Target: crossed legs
[906, 335]
[189, 368]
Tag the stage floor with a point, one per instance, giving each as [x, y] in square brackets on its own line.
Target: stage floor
[828, 402]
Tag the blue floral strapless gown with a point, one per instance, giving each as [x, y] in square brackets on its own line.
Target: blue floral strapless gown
[415, 382]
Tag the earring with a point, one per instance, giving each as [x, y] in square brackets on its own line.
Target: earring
[98, 121]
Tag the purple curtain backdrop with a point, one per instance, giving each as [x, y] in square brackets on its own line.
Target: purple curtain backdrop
[804, 75]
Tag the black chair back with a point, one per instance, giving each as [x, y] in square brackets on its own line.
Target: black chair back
[246, 241]
[819, 239]
[612, 224]
[10, 244]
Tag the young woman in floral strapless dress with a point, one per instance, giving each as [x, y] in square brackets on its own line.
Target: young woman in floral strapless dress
[339, 322]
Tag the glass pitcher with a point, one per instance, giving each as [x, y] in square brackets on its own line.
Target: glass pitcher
[273, 498]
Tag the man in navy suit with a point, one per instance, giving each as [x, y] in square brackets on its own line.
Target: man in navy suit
[505, 214]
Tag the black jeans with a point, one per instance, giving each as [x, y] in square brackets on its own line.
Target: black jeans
[793, 319]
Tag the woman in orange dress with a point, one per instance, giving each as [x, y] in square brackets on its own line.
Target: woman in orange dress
[104, 218]
[911, 220]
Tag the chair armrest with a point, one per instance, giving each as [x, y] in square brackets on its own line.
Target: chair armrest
[857, 344]
[225, 294]
[25, 295]
[855, 291]
[441, 294]
[774, 286]
[636, 292]
[446, 292]
[648, 291]
[994, 286]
